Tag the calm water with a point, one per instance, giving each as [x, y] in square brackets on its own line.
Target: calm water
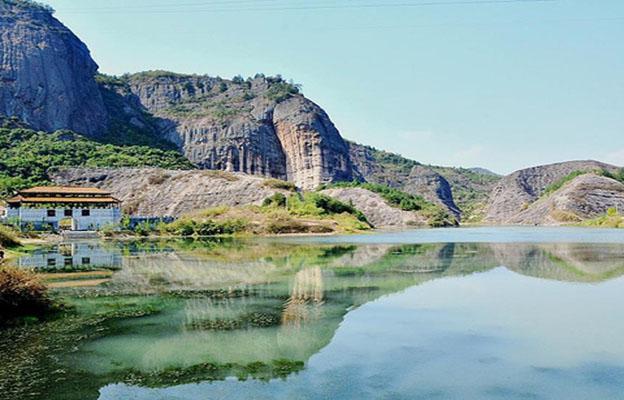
[435, 314]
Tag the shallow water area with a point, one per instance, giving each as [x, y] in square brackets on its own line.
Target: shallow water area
[479, 313]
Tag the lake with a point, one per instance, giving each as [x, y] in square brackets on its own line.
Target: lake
[468, 313]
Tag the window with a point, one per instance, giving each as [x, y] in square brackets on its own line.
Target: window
[68, 213]
[68, 261]
[51, 262]
[86, 260]
[51, 213]
[86, 212]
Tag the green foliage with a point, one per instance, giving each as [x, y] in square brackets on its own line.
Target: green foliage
[239, 80]
[8, 237]
[27, 156]
[222, 111]
[280, 184]
[208, 227]
[277, 200]
[553, 187]
[436, 215]
[316, 204]
[611, 219]
[396, 197]
[223, 87]
[32, 5]
[618, 175]
[21, 294]
[281, 90]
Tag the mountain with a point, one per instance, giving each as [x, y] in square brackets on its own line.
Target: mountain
[536, 195]
[461, 191]
[482, 171]
[260, 126]
[46, 72]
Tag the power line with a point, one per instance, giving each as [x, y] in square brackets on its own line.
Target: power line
[241, 6]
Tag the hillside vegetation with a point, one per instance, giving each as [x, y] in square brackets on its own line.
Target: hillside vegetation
[27, 156]
[436, 215]
[279, 214]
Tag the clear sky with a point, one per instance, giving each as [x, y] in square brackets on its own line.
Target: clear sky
[502, 84]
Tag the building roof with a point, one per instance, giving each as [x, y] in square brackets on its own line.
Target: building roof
[64, 190]
[58, 199]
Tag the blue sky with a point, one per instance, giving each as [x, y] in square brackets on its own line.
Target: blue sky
[502, 85]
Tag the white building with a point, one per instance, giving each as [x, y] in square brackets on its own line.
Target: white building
[59, 207]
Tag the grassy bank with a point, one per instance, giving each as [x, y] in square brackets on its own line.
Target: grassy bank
[309, 213]
[612, 219]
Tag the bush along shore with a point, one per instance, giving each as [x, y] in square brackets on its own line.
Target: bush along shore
[297, 213]
[23, 297]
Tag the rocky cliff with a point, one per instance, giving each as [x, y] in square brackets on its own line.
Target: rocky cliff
[160, 192]
[584, 197]
[461, 191]
[261, 126]
[376, 209]
[515, 193]
[46, 72]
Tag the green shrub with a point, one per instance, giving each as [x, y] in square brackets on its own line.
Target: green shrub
[276, 200]
[280, 184]
[280, 90]
[317, 204]
[396, 197]
[618, 175]
[208, 227]
[21, 294]
[8, 237]
[553, 187]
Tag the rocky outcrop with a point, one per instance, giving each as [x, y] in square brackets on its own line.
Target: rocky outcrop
[376, 209]
[260, 126]
[159, 192]
[46, 72]
[584, 197]
[433, 187]
[517, 191]
[376, 166]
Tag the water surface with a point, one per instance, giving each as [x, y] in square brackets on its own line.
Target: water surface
[451, 314]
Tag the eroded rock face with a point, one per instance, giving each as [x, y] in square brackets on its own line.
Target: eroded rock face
[376, 166]
[159, 192]
[585, 197]
[517, 191]
[260, 126]
[375, 208]
[433, 187]
[46, 73]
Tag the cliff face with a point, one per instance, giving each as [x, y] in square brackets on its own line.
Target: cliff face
[519, 190]
[585, 197]
[46, 72]
[260, 126]
[160, 192]
[390, 169]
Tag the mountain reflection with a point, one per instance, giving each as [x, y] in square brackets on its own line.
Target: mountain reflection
[188, 311]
